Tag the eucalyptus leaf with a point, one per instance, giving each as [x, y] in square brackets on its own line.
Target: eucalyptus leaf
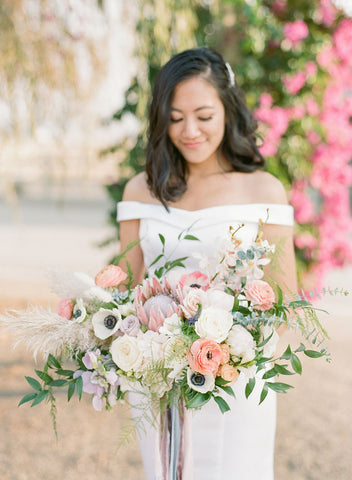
[278, 386]
[44, 376]
[264, 393]
[71, 390]
[198, 400]
[313, 353]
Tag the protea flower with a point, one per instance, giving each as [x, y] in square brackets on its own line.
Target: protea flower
[154, 302]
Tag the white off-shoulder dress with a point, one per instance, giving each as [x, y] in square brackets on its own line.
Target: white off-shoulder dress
[239, 444]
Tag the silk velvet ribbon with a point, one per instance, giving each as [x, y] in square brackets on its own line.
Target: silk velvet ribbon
[173, 452]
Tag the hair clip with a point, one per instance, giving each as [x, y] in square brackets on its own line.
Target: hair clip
[231, 74]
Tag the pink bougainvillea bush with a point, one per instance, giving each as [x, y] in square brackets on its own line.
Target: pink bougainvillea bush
[296, 68]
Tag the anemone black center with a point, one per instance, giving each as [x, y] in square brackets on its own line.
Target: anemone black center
[198, 379]
[110, 321]
[77, 313]
[195, 285]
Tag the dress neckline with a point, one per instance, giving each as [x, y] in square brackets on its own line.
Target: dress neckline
[230, 205]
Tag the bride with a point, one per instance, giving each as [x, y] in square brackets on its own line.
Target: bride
[204, 172]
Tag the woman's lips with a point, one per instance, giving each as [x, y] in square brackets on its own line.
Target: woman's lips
[192, 145]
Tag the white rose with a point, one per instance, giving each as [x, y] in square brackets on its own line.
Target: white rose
[125, 353]
[127, 309]
[150, 344]
[270, 347]
[219, 299]
[214, 323]
[200, 383]
[172, 326]
[241, 343]
[194, 296]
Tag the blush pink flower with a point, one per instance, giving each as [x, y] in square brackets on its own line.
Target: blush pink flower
[195, 279]
[294, 83]
[260, 294]
[204, 356]
[65, 308]
[343, 40]
[228, 373]
[110, 276]
[225, 350]
[295, 31]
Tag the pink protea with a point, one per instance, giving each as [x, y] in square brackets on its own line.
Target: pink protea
[154, 302]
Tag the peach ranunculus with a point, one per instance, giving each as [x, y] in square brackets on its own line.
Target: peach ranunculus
[204, 356]
[228, 373]
[65, 308]
[110, 276]
[225, 351]
[260, 294]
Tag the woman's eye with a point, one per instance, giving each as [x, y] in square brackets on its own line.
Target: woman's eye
[175, 120]
[203, 119]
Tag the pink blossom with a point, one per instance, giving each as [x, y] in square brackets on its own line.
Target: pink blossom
[194, 279]
[343, 40]
[110, 276]
[295, 31]
[204, 356]
[266, 100]
[313, 137]
[303, 205]
[311, 69]
[260, 294]
[279, 6]
[65, 308]
[306, 240]
[297, 112]
[326, 12]
[312, 107]
[294, 83]
[327, 57]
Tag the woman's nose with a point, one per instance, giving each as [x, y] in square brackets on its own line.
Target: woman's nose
[190, 129]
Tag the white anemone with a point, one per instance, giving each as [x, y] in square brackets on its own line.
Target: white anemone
[106, 322]
[79, 312]
[200, 383]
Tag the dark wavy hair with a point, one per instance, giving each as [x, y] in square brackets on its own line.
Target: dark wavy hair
[166, 168]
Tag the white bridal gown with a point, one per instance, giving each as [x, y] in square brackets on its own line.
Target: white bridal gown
[239, 444]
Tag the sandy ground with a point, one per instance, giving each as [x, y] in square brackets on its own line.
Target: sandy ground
[314, 430]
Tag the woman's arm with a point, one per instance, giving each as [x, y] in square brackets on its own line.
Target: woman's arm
[129, 232]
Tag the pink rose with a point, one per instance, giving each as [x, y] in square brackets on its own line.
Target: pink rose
[110, 276]
[204, 356]
[260, 294]
[296, 31]
[65, 308]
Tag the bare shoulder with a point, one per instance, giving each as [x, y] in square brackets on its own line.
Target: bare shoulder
[137, 189]
[267, 189]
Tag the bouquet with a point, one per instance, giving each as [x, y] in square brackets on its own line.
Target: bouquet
[179, 336]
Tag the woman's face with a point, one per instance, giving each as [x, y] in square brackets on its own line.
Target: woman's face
[197, 122]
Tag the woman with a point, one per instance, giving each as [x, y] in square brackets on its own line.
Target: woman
[204, 173]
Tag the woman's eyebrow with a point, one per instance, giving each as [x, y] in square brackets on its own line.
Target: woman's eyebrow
[196, 110]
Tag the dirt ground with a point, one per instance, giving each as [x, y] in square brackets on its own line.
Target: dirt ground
[314, 429]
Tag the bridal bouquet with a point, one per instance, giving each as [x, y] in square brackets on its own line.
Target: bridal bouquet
[180, 334]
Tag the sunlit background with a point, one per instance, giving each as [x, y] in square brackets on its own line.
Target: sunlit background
[75, 81]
